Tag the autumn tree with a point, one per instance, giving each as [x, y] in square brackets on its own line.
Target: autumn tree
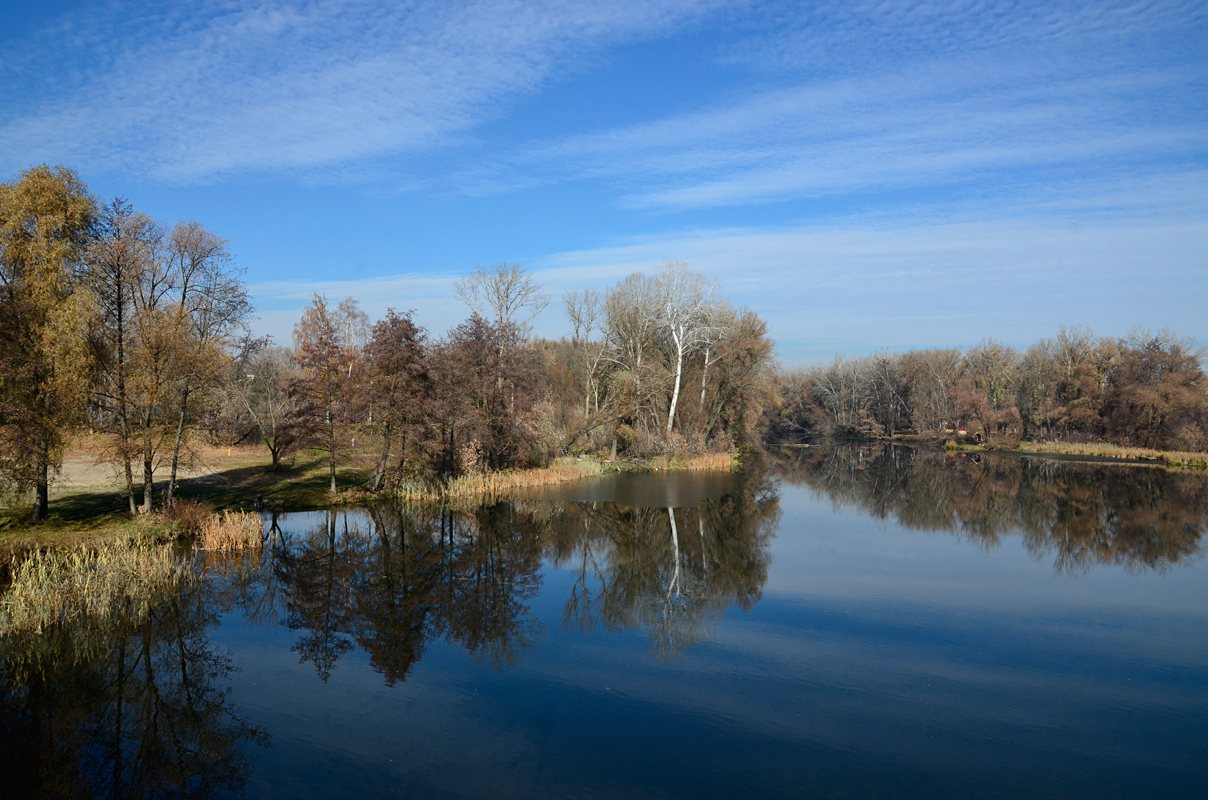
[487, 381]
[157, 354]
[398, 386]
[1156, 395]
[328, 343]
[740, 386]
[636, 379]
[46, 308]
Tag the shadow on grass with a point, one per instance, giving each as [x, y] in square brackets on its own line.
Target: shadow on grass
[304, 485]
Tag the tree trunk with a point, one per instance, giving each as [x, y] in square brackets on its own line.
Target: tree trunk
[42, 488]
[180, 430]
[375, 482]
[331, 441]
[679, 371]
[124, 416]
[148, 468]
[148, 477]
[129, 468]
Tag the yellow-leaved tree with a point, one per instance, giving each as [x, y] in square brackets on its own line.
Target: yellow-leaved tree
[46, 308]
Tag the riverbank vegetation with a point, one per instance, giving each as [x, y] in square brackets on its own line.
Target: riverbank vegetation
[1141, 396]
[137, 332]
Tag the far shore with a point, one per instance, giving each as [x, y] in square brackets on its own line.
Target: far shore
[1089, 452]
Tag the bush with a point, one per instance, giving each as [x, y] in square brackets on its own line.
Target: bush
[189, 516]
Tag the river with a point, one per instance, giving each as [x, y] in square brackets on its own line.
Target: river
[859, 621]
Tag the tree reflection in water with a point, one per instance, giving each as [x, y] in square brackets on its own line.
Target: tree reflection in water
[391, 580]
[1080, 514]
[132, 707]
[669, 570]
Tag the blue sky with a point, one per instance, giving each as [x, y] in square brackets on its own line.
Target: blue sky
[863, 175]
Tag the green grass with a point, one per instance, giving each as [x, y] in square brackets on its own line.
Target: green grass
[90, 518]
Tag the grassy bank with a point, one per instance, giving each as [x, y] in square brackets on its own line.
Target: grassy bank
[1171, 458]
[88, 509]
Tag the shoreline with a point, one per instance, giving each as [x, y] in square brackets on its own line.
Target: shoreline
[91, 518]
[1091, 453]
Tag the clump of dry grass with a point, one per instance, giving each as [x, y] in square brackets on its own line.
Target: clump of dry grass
[489, 485]
[499, 483]
[697, 462]
[1173, 458]
[496, 484]
[189, 516]
[232, 530]
[63, 586]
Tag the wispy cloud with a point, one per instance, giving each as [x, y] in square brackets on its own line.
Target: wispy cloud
[920, 276]
[961, 94]
[198, 91]
[860, 285]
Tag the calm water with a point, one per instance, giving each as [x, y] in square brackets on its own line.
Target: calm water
[855, 622]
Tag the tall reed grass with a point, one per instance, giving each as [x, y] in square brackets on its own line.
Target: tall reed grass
[233, 530]
[64, 586]
[701, 461]
[501, 484]
[496, 484]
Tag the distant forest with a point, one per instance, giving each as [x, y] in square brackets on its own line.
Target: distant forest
[114, 322]
[1146, 389]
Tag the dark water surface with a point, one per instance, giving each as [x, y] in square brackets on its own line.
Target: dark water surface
[854, 622]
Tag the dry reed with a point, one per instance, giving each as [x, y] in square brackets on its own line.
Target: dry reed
[702, 461]
[1173, 458]
[233, 530]
[496, 484]
[501, 484]
[63, 586]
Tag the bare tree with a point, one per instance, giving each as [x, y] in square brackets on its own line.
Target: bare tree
[685, 314]
[631, 311]
[121, 254]
[260, 387]
[213, 303]
[505, 291]
[585, 310]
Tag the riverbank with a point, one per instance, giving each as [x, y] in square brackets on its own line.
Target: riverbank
[1172, 458]
[88, 507]
[1096, 452]
[1099, 452]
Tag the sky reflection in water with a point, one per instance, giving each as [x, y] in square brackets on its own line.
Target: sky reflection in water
[857, 622]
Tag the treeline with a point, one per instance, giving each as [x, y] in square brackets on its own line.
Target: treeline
[1145, 390]
[115, 322]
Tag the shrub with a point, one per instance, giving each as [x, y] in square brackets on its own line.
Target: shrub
[189, 516]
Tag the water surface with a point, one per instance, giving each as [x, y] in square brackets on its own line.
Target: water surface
[851, 622]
